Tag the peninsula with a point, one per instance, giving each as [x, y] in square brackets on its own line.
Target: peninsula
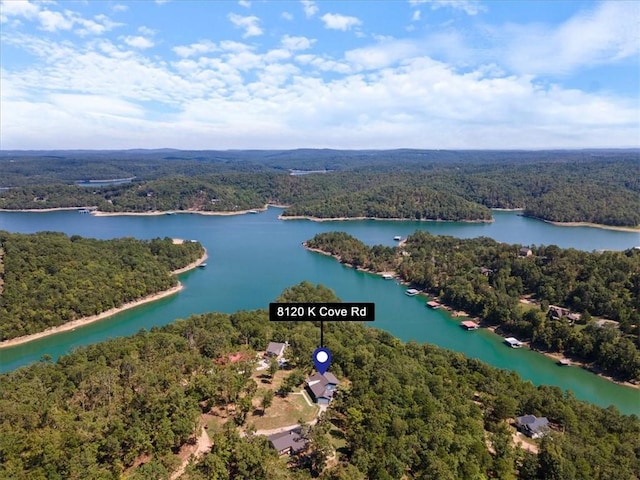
[467, 409]
[487, 279]
[53, 283]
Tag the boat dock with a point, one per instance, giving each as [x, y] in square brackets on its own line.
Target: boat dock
[513, 342]
[469, 325]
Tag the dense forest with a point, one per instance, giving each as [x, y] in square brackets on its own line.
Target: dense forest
[120, 409]
[590, 186]
[488, 279]
[49, 278]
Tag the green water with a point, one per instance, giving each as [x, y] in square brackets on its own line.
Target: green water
[252, 258]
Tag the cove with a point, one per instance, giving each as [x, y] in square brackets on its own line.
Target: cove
[252, 258]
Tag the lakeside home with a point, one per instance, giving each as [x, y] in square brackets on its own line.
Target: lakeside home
[322, 387]
[289, 442]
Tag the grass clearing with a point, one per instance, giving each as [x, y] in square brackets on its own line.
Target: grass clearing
[284, 411]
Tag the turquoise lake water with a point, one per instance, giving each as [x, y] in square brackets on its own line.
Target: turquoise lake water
[252, 258]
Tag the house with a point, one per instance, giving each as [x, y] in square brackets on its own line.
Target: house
[486, 271]
[525, 252]
[557, 313]
[290, 442]
[532, 426]
[322, 387]
[469, 325]
[275, 349]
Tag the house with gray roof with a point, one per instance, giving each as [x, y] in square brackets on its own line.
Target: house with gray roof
[290, 442]
[532, 426]
[275, 349]
[322, 387]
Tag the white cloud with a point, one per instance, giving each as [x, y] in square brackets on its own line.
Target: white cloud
[310, 8]
[200, 48]
[18, 8]
[54, 21]
[120, 7]
[416, 16]
[297, 43]
[604, 35]
[98, 26]
[231, 46]
[138, 42]
[146, 31]
[244, 3]
[441, 91]
[387, 52]
[287, 16]
[249, 24]
[470, 7]
[335, 21]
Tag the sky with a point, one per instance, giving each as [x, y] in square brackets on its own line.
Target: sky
[438, 74]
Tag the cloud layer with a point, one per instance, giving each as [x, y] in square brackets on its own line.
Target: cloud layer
[95, 82]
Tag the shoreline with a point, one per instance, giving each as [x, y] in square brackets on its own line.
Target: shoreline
[456, 314]
[635, 229]
[81, 322]
[42, 210]
[594, 225]
[558, 357]
[177, 212]
[98, 213]
[346, 219]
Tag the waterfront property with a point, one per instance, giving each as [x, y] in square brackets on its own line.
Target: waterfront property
[557, 313]
[469, 325]
[433, 304]
[513, 342]
[275, 349]
[412, 292]
[322, 387]
[525, 252]
[532, 426]
[290, 442]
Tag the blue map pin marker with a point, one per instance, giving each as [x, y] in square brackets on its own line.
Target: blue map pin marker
[322, 359]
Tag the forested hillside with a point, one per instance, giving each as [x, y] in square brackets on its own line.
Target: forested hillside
[487, 279]
[119, 409]
[599, 187]
[50, 278]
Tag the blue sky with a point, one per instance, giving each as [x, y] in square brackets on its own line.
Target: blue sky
[439, 74]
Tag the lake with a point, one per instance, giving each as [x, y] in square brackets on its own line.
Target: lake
[252, 258]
